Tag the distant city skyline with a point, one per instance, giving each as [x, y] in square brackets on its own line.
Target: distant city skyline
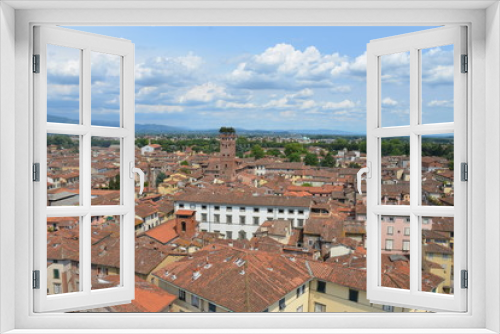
[267, 78]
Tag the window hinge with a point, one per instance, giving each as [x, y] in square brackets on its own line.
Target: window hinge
[465, 64]
[464, 171]
[36, 63]
[36, 279]
[465, 279]
[36, 172]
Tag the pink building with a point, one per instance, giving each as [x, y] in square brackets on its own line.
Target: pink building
[396, 234]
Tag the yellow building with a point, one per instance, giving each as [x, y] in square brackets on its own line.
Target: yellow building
[440, 262]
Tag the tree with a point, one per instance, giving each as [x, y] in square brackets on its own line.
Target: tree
[226, 130]
[292, 148]
[159, 178]
[328, 161]
[274, 152]
[141, 142]
[294, 157]
[362, 146]
[257, 152]
[184, 163]
[307, 184]
[311, 159]
[114, 183]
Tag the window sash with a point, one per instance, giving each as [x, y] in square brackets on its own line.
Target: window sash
[414, 298]
[86, 298]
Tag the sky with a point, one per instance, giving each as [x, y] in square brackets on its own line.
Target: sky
[265, 78]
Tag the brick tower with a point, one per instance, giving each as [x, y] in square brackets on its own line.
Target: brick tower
[227, 154]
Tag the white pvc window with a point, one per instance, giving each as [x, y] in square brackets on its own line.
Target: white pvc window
[72, 214]
[416, 200]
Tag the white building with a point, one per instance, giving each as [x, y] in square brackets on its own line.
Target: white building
[238, 217]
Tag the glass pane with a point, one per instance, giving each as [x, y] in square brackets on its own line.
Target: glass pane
[395, 171]
[437, 254]
[395, 251]
[105, 252]
[106, 104]
[437, 84]
[63, 84]
[63, 255]
[395, 89]
[105, 171]
[437, 169]
[63, 170]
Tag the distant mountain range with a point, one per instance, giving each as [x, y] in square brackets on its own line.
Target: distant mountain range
[157, 129]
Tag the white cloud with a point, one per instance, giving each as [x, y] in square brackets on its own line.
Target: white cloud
[204, 93]
[282, 66]
[315, 111]
[358, 66]
[388, 102]
[339, 105]
[63, 67]
[235, 105]
[158, 109]
[278, 103]
[61, 92]
[440, 74]
[307, 104]
[395, 60]
[441, 103]
[306, 92]
[288, 113]
[341, 89]
[146, 91]
[170, 71]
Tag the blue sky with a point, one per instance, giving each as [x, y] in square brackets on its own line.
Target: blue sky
[283, 78]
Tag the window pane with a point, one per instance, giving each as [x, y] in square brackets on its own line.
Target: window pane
[63, 255]
[395, 252]
[437, 254]
[63, 170]
[63, 84]
[437, 169]
[106, 104]
[395, 171]
[395, 89]
[105, 171]
[105, 252]
[437, 84]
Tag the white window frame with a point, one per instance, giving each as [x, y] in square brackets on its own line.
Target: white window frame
[376, 132]
[484, 101]
[86, 43]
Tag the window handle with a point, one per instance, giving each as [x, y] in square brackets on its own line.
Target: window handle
[362, 171]
[134, 170]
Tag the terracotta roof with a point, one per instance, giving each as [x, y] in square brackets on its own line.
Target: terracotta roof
[277, 227]
[239, 280]
[149, 254]
[63, 245]
[148, 297]
[436, 248]
[185, 212]
[144, 210]
[164, 233]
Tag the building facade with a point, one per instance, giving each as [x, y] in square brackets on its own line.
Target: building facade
[240, 217]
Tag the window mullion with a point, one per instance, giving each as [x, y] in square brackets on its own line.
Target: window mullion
[414, 163]
[86, 184]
